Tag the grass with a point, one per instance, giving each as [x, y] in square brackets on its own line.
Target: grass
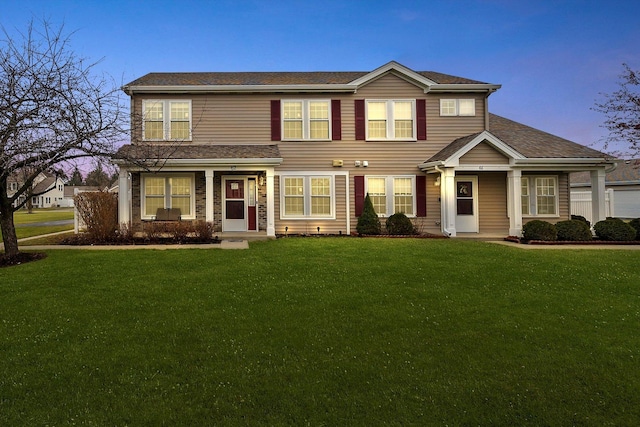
[26, 223]
[322, 331]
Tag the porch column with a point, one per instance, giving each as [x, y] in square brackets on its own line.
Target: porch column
[124, 213]
[271, 227]
[208, 203]
[598, 203]
[514, 202]
[448, 198]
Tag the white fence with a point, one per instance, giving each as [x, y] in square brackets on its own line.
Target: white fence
[581, 204]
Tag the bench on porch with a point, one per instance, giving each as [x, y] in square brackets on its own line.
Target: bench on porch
[168, 214]
[166, 220]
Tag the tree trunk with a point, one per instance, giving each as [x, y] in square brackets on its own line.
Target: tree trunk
[8, 228]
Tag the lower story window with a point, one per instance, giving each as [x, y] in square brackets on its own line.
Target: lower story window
[307, 196]
[540, 196]
[392, 194]
[163, 192]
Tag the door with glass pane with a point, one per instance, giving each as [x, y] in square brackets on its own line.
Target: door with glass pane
[466, 204]
[234, 204]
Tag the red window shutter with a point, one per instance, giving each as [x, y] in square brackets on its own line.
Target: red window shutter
[360, 121]
[421, 195]
[421, 116]
[358, 184]
[275, 120]
[336, 120]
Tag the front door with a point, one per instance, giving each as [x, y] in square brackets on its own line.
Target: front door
[467, 204]
[235, 217]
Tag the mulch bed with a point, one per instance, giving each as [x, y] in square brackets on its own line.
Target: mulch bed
[21, 258]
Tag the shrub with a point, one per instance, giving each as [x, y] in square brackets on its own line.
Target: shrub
[574, 230]
[581, 218]
[614, 229]
[99, 211]
[368, 222]
[399, 224]
[635, 223]
[203, 231]
[539, 230]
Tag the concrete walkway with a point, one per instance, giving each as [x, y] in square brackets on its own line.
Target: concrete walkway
[224, 244]
[567, 246]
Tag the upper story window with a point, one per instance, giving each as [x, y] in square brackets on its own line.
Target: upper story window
[306, 119]
[391, 120]
[539, 195]
[166, 120]
[457, 107]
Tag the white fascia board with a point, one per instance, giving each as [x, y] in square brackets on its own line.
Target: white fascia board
[465, 87]
[339, 88]
[400, 69]
[426, 166]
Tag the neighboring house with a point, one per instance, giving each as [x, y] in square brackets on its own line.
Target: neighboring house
[70, 191]
[296, 152]
[623, 189]
[47, 191]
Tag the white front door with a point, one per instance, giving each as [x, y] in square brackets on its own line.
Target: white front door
[234, 204]
[467, 204]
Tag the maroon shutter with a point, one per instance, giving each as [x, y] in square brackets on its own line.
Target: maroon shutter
[421, 116]
[336, 120]
[275, 120]
[358, 184]
[360, 122]
[421, 195]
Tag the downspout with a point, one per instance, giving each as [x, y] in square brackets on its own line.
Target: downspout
[443, 221]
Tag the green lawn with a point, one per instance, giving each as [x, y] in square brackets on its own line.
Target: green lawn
[25, 222]
[322, 331]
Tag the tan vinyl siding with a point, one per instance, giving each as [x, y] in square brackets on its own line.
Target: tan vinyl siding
[484, 154]
[492, 202]
[310, 226]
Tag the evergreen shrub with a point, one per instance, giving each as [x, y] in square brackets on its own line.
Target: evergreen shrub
[399, 224]
[573, 230]
[635, 223]
[539, 230]
[615, 229]
[368, 222]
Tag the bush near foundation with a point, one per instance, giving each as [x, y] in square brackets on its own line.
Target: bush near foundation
[99, 211]
[635, 223]
[573, 230]
[615, 229]
[399, 224]
[581, 218]
[540, 230]
[368, 222]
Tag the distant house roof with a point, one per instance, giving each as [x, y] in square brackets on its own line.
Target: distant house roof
[528, 141]
[627, 173]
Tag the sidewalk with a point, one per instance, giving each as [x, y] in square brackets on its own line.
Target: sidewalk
[568, 246]
[224, 244]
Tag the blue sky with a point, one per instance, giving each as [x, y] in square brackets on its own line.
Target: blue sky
[553, 58]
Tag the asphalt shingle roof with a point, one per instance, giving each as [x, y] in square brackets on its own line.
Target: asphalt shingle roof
[627, 172]
[274, 78]
[195, 152]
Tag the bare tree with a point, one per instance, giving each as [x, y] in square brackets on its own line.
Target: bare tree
[622, 112]
[53, 109]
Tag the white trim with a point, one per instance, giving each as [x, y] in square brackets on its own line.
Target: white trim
[306, 119]
[166, 119]
[167, 196]
[533, 195]
[390, 119]
[306, 182]
[390, 195]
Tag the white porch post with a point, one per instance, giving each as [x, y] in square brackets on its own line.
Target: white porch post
[598, 203]
[271, 227]
[124, 213]
[514, 203]
[448, 198]
[208, 174]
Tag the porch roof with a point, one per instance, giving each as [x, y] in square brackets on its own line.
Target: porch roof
[529, 142]
[146, 153]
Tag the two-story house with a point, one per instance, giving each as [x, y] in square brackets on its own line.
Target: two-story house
[296, 152]
[46, 191]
